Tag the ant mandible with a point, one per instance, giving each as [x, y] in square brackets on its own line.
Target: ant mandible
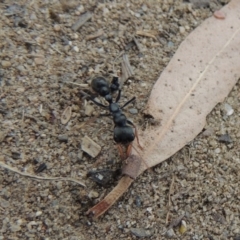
[123, 128]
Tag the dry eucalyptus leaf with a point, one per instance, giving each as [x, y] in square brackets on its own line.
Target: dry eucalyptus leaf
[201, 74]
[66, 115]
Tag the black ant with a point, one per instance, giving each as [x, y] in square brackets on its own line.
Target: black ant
[123, 128]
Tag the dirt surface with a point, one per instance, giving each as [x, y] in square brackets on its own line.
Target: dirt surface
[41, 54]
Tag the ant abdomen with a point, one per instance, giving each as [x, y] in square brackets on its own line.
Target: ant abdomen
[123, 134]
[101, 86]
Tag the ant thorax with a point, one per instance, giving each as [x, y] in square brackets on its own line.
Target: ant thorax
[114, 108]
[120, 119]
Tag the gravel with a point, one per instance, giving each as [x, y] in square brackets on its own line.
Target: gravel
[41, 58]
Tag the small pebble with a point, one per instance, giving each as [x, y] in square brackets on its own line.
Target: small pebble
[15, 227]
[38, 213]
[63, 138]
[208, 132]
[225, 139]
[182, 30]
[138, 201]
[219, 15]
[6, 64]
[144, 7]
[57, 28]
[76, 49]
[105, 11]
[39, 61]
[170, 44]
[228, 109]
[16, 155]
[79, 155]
[93, 194]
[183, 227]
[170, 233]
[217, 150]
[89, 110]
[102, 177]
[141, 232]
[195, 164]
[133, 111]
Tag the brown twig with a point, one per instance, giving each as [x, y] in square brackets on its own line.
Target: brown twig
[169, 198]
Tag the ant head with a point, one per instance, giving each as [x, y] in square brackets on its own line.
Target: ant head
[103, 91]
[100, 85]
[108, 98]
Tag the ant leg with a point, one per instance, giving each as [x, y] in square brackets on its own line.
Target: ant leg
[98, 103]
[136, 133]
[131, 100]
[94, 101]
[129, 149]
[121, 152]
[118, 96]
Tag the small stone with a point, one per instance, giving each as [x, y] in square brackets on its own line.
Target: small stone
[217, 150]
[195, 164]
[228, 110]
[76, 49]
[93, 194]
[89, 110]
[80, 155]
[38, 213]
[170, 44]
[225, 139]
[6, 64]
[133, 111]
[4, 203]
[16, 155]
[208, 132]
[56, 28]
[200, 4]
[141, 232]
[102, 177]
[20, 90]
[138, 201]
[63, 138]
[213, 143]
[182, 30]
[183, 227]
[144, 7]
[40, 40]
[15, 227]
[21, 69]
[170, 233]
[39, 61]
[219, 15]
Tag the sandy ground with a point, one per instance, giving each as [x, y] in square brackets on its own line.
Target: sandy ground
[41, 54]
